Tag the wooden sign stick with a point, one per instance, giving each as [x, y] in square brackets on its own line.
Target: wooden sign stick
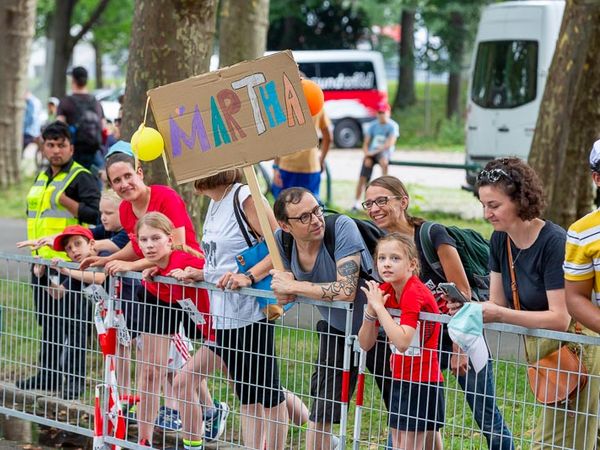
[273, 311]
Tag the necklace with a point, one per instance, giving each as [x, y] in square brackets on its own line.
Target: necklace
[214, 209]
[516, 257]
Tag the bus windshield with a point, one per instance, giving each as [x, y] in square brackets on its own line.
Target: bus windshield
[505, 74]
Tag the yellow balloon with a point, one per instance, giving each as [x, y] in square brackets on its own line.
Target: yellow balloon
[149, 143]
[135, 138]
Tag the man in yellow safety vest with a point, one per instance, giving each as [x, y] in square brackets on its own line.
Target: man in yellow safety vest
[64, 194]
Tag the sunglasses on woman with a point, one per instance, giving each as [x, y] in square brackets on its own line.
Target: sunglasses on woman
[493, 175]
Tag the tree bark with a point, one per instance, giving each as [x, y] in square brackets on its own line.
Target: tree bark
[456, 54]
[243, 30]
[16, 33]
[405, 95]
[171, 40]
[64, 43]
[569, 117]
[61, 35]
[98, 59]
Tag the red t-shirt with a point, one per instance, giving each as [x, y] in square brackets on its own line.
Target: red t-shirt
[170, 293]
[165, 200]
[419, 362]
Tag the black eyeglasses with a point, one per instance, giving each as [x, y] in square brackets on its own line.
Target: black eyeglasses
[379, 201]
[493, 175]
[305, 217]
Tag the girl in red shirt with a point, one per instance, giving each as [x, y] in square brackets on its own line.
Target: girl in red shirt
[161, 312]
[417, 404]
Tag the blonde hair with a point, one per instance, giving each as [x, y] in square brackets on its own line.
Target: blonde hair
[111, 196]
[161, 222]
[408, 247]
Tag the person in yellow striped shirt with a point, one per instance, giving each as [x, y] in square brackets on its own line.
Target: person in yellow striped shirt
[582, 261]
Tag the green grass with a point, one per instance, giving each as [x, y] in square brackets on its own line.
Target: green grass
[297, 350]
[13, 203]
[426, 127]
[445, 205]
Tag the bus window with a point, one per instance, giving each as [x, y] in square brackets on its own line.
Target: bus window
[346, 75]
[308, 69]
[505, 74]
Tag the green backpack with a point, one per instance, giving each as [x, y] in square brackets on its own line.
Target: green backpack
[474, 252]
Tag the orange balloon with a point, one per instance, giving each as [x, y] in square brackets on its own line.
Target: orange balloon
[314, 96]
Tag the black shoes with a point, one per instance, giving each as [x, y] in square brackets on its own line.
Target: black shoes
[72, 389]
[40, 383]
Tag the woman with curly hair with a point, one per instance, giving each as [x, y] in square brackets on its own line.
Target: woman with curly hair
[534, 250]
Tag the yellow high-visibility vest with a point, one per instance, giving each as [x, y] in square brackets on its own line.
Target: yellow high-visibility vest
[45, 215]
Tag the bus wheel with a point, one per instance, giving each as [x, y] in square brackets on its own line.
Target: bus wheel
[347, 134]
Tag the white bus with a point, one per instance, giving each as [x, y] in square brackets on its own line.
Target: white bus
[353, 82]
[513, 50]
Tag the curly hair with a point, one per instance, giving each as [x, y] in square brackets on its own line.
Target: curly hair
[517, 180]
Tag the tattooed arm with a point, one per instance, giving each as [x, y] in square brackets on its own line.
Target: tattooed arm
[343, 288]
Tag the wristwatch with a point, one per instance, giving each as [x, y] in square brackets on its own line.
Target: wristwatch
[249, 275]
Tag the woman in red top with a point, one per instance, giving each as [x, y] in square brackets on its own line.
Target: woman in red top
[161, 312]
[417, 404]
[138, 199]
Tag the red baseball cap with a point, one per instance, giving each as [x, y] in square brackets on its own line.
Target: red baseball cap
[383, 107]
[71, 230]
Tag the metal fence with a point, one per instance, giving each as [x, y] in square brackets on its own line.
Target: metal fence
[137, 388]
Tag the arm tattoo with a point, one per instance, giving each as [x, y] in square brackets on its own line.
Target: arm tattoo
[348, 268]
[347, 286]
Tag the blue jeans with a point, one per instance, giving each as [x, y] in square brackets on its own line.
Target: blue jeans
[481, 396]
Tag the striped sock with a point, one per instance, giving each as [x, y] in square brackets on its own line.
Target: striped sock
[192, 445]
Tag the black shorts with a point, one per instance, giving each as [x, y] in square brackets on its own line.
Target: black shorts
[376, 159]
[249, 354]
[157, 317]
[416, 406]
[326, 380]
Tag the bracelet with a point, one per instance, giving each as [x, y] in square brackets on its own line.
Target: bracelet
[250, 276]
[368, 317]
[275, 167]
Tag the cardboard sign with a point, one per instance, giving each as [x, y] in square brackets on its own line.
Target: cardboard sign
[233, 117]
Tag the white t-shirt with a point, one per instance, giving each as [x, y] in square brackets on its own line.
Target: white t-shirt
[222, 241]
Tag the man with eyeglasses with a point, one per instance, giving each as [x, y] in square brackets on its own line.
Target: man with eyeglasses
[313, 272]
[582, 276]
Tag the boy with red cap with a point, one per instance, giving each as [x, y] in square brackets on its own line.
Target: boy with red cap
[378, 146]
[74, 310]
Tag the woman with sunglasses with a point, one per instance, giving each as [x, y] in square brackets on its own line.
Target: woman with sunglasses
[386, 203]
[533, 249]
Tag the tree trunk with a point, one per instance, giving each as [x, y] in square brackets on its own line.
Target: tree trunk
[405, 95]
[455, 51]
[569, 117]
[64, 42]
[61, 34]
[16, 33]
[159, 55]
[289, 36]
[98, 58]
[243, 30]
